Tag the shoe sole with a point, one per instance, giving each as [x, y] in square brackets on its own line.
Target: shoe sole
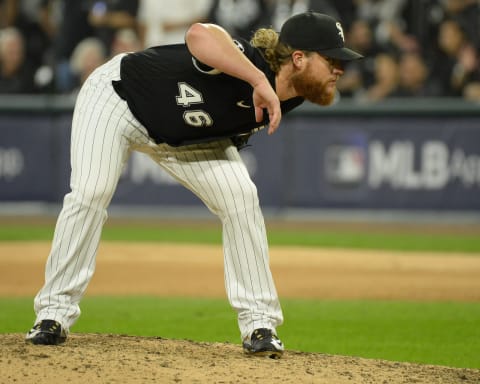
[40, 339]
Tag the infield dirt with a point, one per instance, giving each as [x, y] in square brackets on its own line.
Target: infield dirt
[126, 268]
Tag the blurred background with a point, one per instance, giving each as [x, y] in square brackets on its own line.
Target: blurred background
[402, 139]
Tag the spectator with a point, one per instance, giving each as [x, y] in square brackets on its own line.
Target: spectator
[87, 56]
[240, 17]
[443, 32]
[125, 40]
[471, 92]
[281, 10]
[421, 19]
[166, 21]
[16, 75]
[456, 60]
[32, 19]
[386, 20]
[467, 14]
[386, 79]
[73, 28]
[108, 16]
[359, 74]
[7, 13]
[414, 77]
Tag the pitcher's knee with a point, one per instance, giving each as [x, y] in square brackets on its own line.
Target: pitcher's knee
[243, 199]
[87, 198]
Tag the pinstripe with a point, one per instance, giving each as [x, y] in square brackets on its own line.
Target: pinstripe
[216, 174]
[229, 279]
[56, 256]
[104, 132]
[259, 278]
[76, 132]
[73, 237]
[240, 237]
[79, 226]
[214, 205]
[231, 245]
[239, 300]
[85, 230]
[258, 222]
[253, 241]
[92, 161]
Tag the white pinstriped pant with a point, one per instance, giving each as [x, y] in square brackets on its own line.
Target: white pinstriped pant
[104, 133]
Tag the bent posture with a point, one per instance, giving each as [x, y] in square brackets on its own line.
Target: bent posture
[189, 107]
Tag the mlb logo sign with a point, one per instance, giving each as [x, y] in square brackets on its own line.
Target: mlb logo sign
[345, 165]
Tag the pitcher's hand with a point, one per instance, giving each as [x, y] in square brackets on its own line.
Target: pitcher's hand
[264, 97]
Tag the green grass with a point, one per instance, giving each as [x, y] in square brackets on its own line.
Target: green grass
[277, 237]
[429, 333]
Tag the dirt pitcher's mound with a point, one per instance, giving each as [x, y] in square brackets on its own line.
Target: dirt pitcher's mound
[92, 358]
[154, 269]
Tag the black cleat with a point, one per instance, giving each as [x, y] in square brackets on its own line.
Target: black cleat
[46, 332]
[263, 342]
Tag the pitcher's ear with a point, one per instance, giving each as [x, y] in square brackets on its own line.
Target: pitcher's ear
[298, 58]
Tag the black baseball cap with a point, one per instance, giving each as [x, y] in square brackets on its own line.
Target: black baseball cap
[312, 31]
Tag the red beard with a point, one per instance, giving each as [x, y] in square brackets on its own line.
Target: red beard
[313, 90]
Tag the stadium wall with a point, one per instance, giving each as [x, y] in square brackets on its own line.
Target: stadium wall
[408, 155]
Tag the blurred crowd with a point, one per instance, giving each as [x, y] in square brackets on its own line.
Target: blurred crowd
[412, 48]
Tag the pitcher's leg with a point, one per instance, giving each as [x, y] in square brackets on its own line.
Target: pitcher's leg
[216, 173]
[99, 151]
[248, 278]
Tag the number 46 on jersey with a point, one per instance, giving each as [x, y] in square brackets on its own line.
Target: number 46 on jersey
[190, 96]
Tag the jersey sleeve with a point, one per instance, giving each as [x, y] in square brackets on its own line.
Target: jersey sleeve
[241, 44]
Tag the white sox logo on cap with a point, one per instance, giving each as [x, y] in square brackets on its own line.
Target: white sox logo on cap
[312, 31]
[340, 31]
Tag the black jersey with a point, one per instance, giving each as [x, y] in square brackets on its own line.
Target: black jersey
[180, 101]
